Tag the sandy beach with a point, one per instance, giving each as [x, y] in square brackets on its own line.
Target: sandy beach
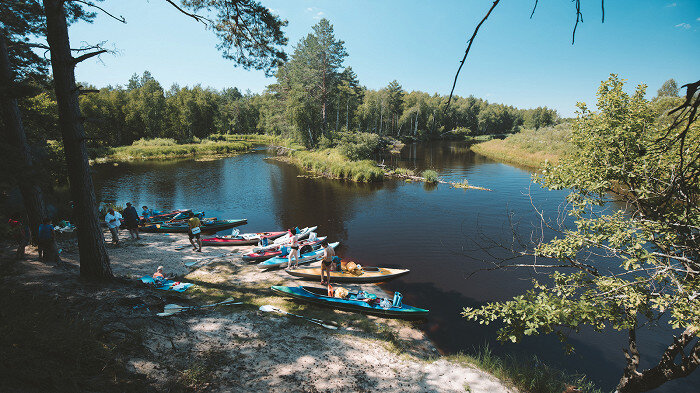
[239, 347]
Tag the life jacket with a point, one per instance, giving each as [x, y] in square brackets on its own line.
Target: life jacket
[158, 275]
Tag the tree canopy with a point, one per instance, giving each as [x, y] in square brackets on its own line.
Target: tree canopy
[624, 268]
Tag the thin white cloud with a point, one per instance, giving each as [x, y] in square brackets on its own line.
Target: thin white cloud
[671, 5]
[319, 15]
[309, 9]
[683, 26]
[698, 19]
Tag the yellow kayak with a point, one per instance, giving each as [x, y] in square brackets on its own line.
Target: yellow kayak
[368, 274]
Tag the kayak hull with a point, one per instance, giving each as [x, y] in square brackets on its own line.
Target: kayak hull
[369, 274]
[265, 255]
[316, 296]
[280, 261]
[218, 225]
[240, 240]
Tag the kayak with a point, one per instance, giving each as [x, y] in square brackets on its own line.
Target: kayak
[368, 274]
[308, 257]
[303, 234]
[320, 297]
[267, 254]
[207, 226]
[164, 217]
[244, 239]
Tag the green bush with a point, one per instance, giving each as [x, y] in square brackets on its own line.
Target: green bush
[361, 145]
[430, 176]
[331, 163]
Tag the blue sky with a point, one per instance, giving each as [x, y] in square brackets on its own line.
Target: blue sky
[515, 60]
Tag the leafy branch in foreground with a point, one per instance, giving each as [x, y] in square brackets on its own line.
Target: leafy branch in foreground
[631, 268]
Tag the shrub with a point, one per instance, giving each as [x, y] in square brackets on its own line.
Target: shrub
[361, 145]
[430, 176]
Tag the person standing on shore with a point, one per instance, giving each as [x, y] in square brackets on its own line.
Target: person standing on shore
[194, 233]
[46, 239]
[294, 250]
[113, 219]
[327, 261]
[131, 218]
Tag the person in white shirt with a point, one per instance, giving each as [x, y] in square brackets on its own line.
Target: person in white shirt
[114, 221]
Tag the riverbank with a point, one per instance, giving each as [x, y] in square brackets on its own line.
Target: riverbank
[121, 344]
[528, 148]
[213, 147]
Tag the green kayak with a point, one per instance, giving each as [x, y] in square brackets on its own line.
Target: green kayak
[373, 306]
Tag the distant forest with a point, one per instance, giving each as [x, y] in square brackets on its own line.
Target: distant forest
[314, 98]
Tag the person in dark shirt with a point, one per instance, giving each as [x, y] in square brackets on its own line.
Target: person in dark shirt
[47, 243]
[21, 235]
[131, 219]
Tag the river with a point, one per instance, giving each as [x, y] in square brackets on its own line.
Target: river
[442, 234]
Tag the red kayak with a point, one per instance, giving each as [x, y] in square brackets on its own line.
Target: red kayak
[267, 254]
[244, 239]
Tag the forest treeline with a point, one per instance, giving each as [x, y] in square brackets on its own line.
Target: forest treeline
[313, 99]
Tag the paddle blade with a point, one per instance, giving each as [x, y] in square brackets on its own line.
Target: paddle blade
[167, 313]
[174, 307]
[269, 308]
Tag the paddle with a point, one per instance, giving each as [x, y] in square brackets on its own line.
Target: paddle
[271, 308]
[170, 309]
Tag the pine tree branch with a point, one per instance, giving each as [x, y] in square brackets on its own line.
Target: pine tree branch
[86, 56]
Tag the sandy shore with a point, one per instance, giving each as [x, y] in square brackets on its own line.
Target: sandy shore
[239, 348]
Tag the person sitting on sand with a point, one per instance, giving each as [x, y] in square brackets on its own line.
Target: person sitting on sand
[326, 262]
[159, 275]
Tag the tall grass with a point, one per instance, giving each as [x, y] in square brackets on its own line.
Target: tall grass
[331, 163]
[529, 148]
[531, 375]
[163, 148]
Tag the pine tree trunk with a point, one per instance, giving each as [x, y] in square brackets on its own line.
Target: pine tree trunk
[347, 115]
[94, 261]
[13, 134]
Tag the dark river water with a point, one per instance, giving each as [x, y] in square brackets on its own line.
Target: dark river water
[441, 234]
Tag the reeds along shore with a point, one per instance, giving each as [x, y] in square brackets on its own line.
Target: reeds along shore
[529, 148]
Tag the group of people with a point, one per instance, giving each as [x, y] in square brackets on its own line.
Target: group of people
[131, 220]
[326, 261]
[45, 239]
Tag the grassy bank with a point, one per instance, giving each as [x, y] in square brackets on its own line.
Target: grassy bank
[332, 164]
[217, 145]
[529, 148]
[529, 375]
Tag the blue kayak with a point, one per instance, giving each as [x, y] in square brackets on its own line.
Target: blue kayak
[312, 256]
[320, 297]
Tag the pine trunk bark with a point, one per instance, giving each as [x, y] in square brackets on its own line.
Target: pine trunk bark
[13, 133]
[94, 261]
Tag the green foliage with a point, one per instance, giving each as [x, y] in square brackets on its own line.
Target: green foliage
[626, 151]
[529, 147]
[361, 145]
[332, 163]
[159, 148]
[430, 176]
[249, 33]
[668, 89]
